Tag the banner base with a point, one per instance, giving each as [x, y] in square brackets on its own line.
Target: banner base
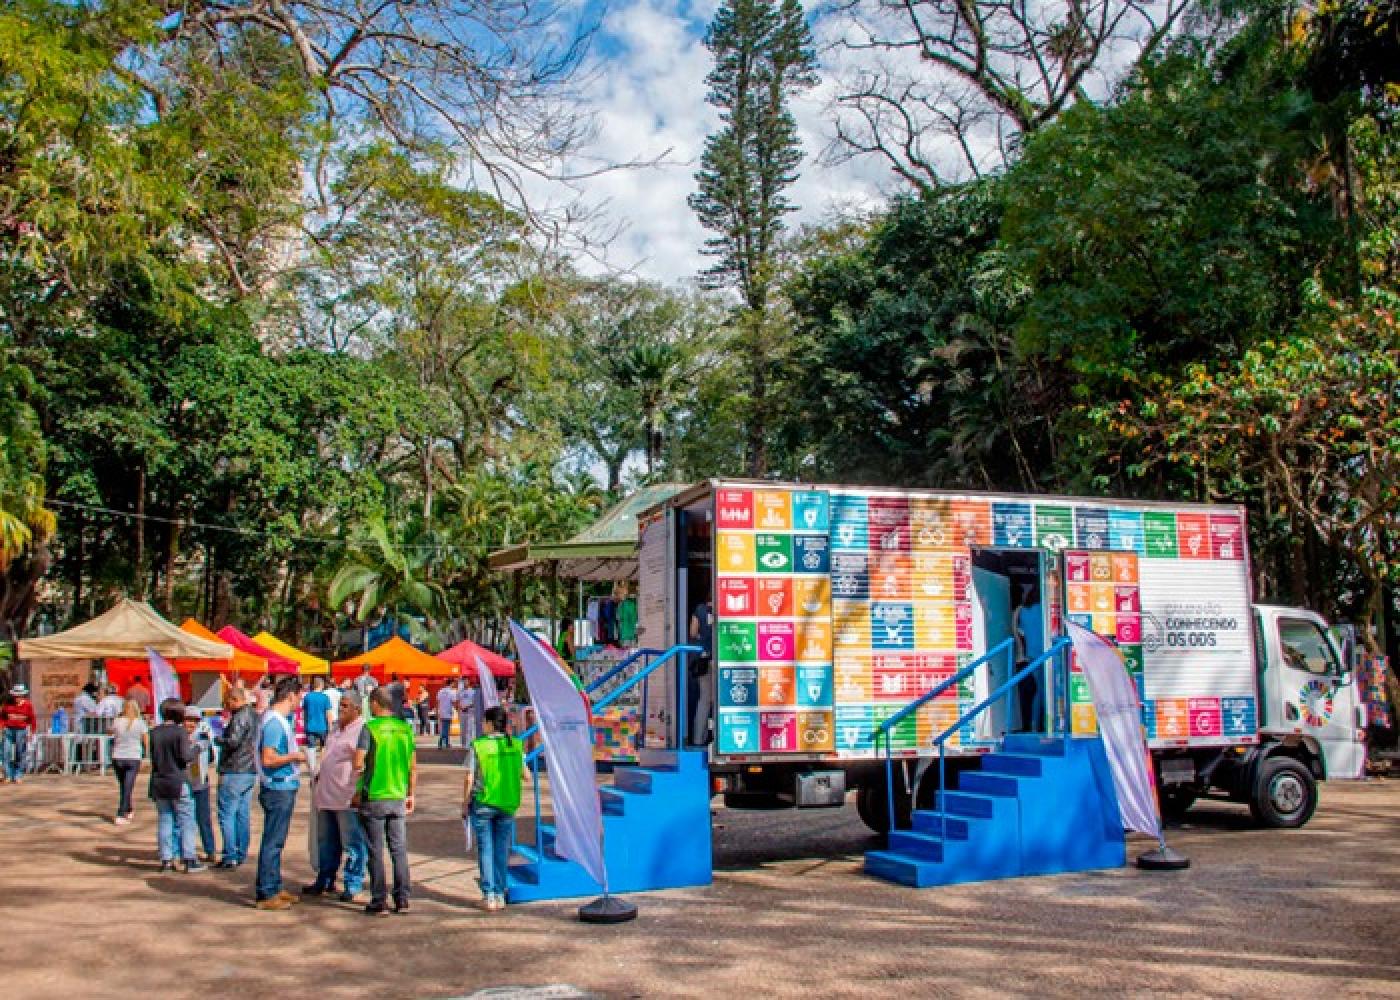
[1163, 859]
[607, 910]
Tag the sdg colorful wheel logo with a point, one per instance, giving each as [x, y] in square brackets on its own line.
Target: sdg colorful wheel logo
[1316, 699]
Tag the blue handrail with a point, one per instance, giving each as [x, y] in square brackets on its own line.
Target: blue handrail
[941, 740]
[596, 684]
[883, 729]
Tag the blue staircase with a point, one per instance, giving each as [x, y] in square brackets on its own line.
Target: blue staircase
[1038, 806]
[656, 834]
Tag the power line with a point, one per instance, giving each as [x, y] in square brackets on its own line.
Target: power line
[254, 532]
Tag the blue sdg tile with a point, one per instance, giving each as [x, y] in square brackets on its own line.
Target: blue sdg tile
[811, 554]
[1091, 528]
[850, 576]
[853, 727]
[1125, 531]
[738, 732]
[1011, 525]
[811, 512]
[850, 523]
[814, 686]
[1237, 716]
[892, 626]
[738, 687]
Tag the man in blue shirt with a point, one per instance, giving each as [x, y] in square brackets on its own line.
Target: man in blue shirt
[279, 778]
[316, 711]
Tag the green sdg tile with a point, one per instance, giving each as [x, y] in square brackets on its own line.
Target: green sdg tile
[965, 687]
[738, 642]
[774, 552]
[1132, 658]
[905, 735]
[1159, 532]
[1054, 527]
[1079, 690]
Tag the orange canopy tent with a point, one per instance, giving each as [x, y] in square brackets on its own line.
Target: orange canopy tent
[276, 662]
[464, 654]
[122, 672]
[396, 657]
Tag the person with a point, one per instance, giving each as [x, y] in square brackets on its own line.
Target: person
[365, 683]
[385, 758]
[85, 710]
[316, 714]
[130, 745]
[420, 708]
[697, 689]
[262, 697]
[171, 753]
[332, 693]
[396, 693]
[340, 833]
[446, 705]
[1026, 628]
[237, 775]
[19, 722]
[466, 711]
[139, 693]
[110, 706]
[490, 797]
[197, 776]
[278, 759]
[564, 645]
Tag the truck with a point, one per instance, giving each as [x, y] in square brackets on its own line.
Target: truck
[826, 609]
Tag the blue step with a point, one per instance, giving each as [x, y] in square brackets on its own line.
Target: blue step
[979, 783]
[1021, 765]
[939, 824]
[914, 844]
[656, 834]
[1042, 805]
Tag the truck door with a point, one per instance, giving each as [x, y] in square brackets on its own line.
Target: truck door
[1313, 694]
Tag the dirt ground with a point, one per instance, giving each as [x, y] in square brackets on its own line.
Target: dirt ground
[1305, 913]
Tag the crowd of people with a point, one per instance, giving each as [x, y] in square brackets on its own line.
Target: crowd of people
[360, 753]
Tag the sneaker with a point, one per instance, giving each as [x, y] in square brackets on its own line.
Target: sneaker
[167, 866]
[315, 889]
[376, 910]
[273, 903]
[194, 865]
[284, 894]
[120, 821]
[347, 896]
[498, 902]
[227, 864]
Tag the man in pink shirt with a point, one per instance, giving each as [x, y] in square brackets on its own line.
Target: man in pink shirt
[339, 826]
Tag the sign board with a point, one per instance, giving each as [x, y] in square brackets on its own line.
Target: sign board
[54, 684]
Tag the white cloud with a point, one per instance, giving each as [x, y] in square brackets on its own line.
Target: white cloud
[648, 91]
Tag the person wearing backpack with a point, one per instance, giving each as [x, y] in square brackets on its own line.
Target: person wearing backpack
[490, 798]
[385, 758]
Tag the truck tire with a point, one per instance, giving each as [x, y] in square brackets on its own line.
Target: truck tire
[1175, 801]
[874, 810]
[1284, 795]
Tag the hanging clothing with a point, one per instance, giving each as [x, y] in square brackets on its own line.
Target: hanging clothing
[627, 621]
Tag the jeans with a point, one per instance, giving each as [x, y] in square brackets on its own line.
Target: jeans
[317, 740]
[697, 693]
[14, 746]
[386, 821]
[341, 835]
[202, 820]
[126, 771]
[444, 731]
[175, 827]
[235, 804]
[495, 832]
[277, 820]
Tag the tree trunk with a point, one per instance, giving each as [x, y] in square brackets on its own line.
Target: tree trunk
[140, 576]
[172, 546]
[79, 566]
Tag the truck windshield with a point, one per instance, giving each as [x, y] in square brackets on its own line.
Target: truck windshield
[1305, 647]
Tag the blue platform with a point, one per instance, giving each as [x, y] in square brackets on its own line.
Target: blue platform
[1038, 806]
[656, 834]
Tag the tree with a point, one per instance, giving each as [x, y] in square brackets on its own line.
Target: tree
[763, 56]
[390, 575]
[945, 90]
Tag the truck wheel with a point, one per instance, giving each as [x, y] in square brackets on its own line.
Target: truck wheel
[874, 809]
[1285, 793]
[1175, 801]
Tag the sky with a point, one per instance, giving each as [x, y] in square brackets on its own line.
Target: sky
[646, 85]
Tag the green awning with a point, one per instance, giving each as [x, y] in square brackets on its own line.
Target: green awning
[605, 550]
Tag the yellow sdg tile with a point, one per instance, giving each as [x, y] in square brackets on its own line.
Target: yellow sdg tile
[772, 510]
[1102, 598]
[850, 624]
[1083, 719]
[934, 626]
[1101, 567]
[811, 596]
[736, 553]
[814, 641]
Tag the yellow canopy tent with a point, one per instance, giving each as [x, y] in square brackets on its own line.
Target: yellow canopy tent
[309, 663]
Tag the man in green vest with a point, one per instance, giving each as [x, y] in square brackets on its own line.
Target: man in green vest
[490, 797]
[385, 760]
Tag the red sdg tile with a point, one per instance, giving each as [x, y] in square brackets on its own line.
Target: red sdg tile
[735, 509]
[737, 597]
[1226, 537]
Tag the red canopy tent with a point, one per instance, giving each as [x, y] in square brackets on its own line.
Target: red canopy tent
[276, 662]
[123, 671]
[464, 654]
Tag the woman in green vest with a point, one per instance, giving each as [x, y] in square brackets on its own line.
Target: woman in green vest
[490, 797]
